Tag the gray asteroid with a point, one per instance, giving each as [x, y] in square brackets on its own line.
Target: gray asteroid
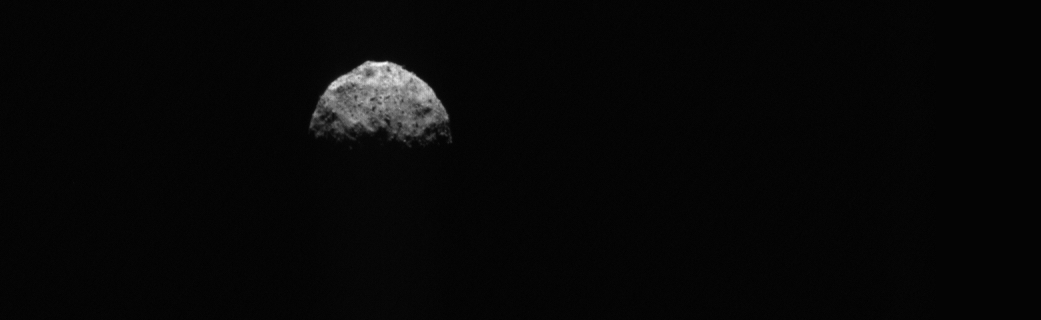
[381, 102]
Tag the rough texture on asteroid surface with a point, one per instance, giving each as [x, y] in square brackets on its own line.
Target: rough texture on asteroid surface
[381, 103]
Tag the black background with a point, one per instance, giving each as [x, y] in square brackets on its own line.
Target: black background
[607, 160]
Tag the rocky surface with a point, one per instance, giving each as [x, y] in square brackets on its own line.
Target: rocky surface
[381, 103]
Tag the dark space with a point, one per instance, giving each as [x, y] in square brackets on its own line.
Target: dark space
[612, 160]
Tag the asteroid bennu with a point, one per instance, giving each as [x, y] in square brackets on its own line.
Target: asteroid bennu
[381, 102]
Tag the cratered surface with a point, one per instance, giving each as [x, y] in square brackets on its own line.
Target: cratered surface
[381, 102]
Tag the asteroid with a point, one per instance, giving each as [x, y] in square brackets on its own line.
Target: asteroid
[381, 103]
